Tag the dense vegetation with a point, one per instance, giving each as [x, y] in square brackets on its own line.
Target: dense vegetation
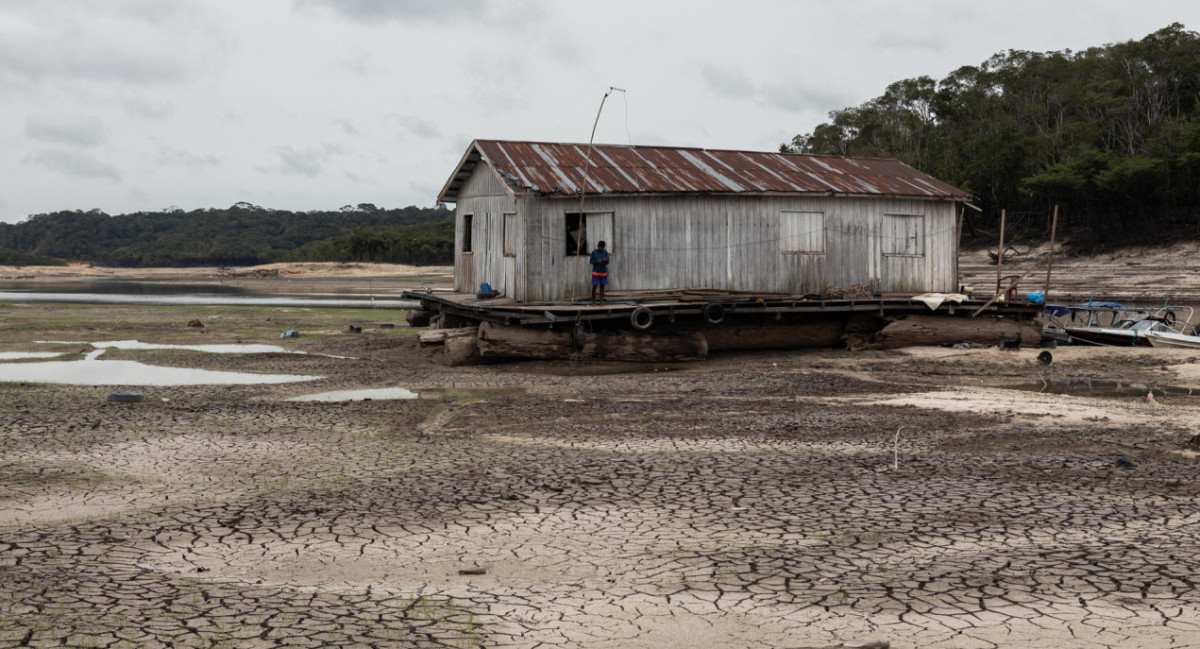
[241, 235]
[1111, 134]
[14, 258]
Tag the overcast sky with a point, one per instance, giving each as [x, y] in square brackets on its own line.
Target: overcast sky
[128, 105]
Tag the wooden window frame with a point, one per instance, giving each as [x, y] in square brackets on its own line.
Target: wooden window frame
[467, 237]
[505, 245]
[920, 240]
[824, 241]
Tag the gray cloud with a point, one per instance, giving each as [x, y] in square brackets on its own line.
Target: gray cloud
[416, 125]
[179, 158]
[74, 163]
[346, 127]
[149, 109]
[133, 42]
[518, 14]
[308, 162]
[80, 132]
[791, 95]
[376, 11]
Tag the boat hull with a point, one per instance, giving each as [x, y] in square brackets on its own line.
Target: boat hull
[1164, 339]
[1106, 337]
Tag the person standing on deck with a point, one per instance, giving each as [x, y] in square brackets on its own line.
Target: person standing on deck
[599, 261]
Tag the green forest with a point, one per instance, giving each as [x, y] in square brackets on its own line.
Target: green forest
[1110, 134]
[241, 235]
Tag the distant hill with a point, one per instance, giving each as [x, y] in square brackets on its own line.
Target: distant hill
[1111, 134]
[241, 235]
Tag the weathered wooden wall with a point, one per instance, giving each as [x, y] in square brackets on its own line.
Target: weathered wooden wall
[741, 243]
[485, 197]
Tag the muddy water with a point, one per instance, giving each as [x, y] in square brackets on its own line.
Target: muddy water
[1104, 388]
[377, 394]
[92, 371]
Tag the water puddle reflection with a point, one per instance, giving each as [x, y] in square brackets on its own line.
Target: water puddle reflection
[211, 349]
[376, 394]
[1103, 388]
[97, 372]
[21, 356]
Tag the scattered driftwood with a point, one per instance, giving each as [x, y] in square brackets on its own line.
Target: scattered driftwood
[775, 335]
[440, 336]
[419, 317]
[1010, 252]
[522, 342]
[948, 330]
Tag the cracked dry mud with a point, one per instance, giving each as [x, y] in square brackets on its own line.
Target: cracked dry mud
[755, 500]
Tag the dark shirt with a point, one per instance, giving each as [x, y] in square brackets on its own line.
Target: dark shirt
[599, 261]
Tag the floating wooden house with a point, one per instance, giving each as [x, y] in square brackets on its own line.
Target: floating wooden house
[683, 218]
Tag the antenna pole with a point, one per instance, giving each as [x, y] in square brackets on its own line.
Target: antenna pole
[583, 188]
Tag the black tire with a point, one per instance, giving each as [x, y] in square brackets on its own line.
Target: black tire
[641, 318]
[577, 338]
[714, 313]
[1169, 318]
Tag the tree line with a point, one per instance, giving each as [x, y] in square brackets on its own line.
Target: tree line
[242, 235]
[1110, 134]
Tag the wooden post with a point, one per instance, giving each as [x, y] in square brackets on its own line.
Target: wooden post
[1000, 254]
[961, 211]
[1050, 267]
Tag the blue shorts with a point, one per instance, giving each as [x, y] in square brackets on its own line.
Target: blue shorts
[599, 280]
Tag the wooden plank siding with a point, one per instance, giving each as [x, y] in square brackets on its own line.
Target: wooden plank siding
[738, 243]
[761, 242]
[485, 197]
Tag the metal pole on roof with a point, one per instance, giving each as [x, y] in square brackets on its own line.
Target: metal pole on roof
[583, 188]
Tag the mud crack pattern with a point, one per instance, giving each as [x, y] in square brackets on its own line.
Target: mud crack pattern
[740, 508]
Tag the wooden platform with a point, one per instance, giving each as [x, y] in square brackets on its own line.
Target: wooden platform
[671, 304]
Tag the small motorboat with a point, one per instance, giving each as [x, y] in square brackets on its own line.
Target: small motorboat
[1171, 338]
[1114, 325]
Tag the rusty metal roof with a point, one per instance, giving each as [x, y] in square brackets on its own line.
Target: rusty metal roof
[557, 169]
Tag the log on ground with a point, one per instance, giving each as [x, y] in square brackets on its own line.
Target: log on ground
[502, 341]
[461, 350]
[815, 332]
[440, 336]
[948, 330]
[419, 317]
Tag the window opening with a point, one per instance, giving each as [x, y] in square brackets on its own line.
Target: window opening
[576, 224]
[467, 219]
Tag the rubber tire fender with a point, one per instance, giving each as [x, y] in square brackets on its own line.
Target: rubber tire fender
[641, 318]
[577, 338]
[714, 312]
[1169, 318]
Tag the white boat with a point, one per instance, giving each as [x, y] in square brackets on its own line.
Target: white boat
[1169, 338]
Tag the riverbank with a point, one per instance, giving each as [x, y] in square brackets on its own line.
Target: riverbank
[760, 499]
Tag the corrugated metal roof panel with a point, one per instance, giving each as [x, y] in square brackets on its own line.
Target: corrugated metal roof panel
[549, 168]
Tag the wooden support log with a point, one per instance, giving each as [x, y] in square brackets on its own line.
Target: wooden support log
[502, 341]
[419, 317]
[948, 330]
[440, 336]
[461, 350]
[822, 332]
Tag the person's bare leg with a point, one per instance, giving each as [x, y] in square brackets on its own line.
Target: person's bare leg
[593, 295]
[601, 295]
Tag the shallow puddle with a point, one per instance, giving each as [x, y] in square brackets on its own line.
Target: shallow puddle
[1104, 388]
[377, 394]
[211, 349]
[97, 372]
[21, 356]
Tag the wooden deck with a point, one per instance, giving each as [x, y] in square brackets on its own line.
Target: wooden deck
[690, 304]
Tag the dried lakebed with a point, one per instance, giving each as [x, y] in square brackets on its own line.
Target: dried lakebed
[755, 500]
